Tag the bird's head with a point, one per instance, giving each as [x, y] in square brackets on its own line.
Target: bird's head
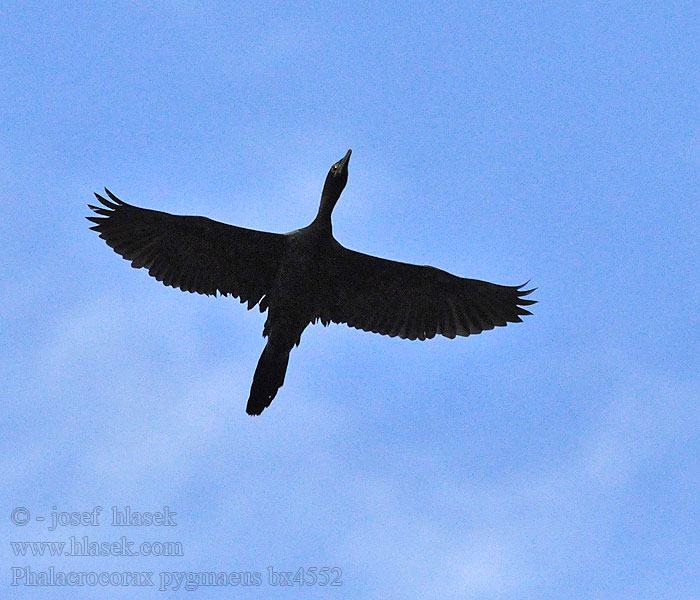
[336, 179]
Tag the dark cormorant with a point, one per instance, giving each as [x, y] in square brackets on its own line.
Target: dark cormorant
[301, 277]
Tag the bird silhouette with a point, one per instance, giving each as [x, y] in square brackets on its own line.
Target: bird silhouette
[302, 277]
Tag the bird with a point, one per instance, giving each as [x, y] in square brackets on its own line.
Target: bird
[302, 277]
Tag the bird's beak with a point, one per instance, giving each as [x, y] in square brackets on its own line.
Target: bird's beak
[344, 161]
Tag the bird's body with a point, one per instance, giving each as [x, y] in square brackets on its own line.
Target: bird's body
[301, 277]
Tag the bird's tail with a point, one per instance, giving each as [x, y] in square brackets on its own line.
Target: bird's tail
[268, 378]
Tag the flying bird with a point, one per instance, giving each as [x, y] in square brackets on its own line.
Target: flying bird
[302, 277]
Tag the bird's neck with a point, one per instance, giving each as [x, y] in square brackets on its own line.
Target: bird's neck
[325, 209]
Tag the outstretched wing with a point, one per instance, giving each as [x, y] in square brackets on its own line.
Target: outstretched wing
[194, 254]
[415, 302]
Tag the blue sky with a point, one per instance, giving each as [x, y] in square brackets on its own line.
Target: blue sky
[552, 141]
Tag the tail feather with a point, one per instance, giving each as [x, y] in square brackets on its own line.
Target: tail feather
[268, 378]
